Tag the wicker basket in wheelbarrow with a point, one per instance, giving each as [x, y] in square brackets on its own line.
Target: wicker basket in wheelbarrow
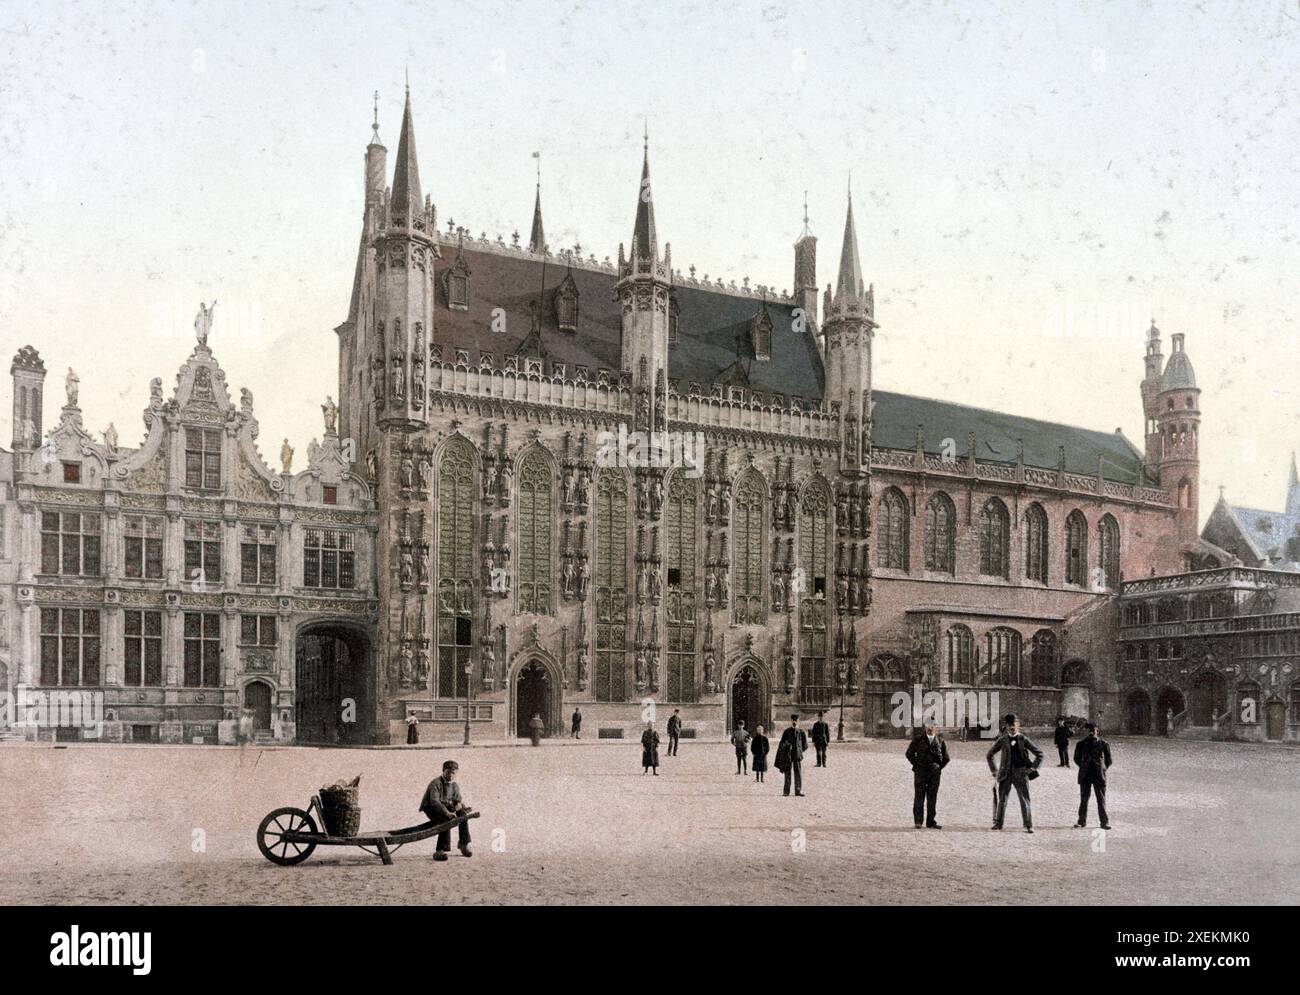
[341, 808]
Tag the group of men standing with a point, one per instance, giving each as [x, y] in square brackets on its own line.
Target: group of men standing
[1013, 761]
[790, 750]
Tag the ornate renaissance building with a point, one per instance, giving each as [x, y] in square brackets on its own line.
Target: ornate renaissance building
[463, 549]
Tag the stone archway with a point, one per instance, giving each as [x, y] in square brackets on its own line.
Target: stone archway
[536, 687]
[1209, 697]
[1169, 703]
[749, 696]
[334, 685]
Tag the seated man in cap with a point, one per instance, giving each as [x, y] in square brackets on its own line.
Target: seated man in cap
[442, 803]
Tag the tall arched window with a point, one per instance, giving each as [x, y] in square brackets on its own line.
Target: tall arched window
[748, 540]
[1043, 657]
[533, 585]
[814, 547]
[456, 561]
[1076, 549]
[1002, 653]
[679, 524]
[1036, 543]
[1108, 536]
[995, 539]
[940, 534]
[611, 588]
[959, 655]
[891, 532]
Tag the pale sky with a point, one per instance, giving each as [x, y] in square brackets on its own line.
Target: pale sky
[1032, 183]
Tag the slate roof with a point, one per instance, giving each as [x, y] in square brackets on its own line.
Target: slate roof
[896, 416]
[714, 333]
[1267, 531]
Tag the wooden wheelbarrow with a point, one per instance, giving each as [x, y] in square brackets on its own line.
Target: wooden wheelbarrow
[288, 836]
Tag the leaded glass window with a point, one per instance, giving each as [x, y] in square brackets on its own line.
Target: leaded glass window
[995, 539]
[534, 539]
[891, 535]
[1108, 536]
[814, 547]
[679, 523]
[1036, 544]
[1003, 656]
[747, 533]
[1076, 549]
[940, 534]
[611, 588]
[960, 655]
[455, 607]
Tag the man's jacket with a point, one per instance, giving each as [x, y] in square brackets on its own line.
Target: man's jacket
[926, 758]
[1092, 757]
[1002, 749]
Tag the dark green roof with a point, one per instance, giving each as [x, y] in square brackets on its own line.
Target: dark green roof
[895, 418]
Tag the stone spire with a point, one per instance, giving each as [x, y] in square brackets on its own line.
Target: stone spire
[537, 239]
[406, 197]
[645, 241]
[849, 287]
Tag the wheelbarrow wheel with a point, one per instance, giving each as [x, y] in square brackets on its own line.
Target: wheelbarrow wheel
[270, 835]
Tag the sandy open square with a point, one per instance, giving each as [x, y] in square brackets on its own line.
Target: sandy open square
[1193, 822]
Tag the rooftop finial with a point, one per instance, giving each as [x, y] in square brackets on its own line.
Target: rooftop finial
[375, 126]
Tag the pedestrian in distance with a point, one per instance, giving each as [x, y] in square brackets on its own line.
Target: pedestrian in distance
[1062, 739]
[821, 736]
[535, 729]
[789, 756]
[1092, 757]
[740, 741]
[928, 755]
[1018, 760]
[575, 724]
[412, 730]
[650, 750]
[759, 747]
[674, 731]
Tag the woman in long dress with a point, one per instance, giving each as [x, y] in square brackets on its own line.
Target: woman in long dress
[650, 750]
[759, 747]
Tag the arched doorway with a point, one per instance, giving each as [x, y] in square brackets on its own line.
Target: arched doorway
[257, 699]
[1169, 703]
[749, 700]
[533, 696]
[1275, 720]
[334, 686]
[1209, 697]
[1138, 712]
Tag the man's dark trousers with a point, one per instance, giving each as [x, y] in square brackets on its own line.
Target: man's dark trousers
[1099, 787]
[820, 747]
[795, 768]
[1019, 778]
[927, 794]
[1063, 751]
[462, 837]
[672, 744]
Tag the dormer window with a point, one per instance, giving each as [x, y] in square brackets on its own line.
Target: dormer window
[760, 333]
[566, 305]
[458, 285]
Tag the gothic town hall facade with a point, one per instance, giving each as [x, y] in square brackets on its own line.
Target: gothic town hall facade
[457, 546]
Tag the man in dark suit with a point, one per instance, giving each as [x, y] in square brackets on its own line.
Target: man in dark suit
[1092, 757]
[1062, 739]
[821, 735]
[674, 730]
[928, 755]
[789, 755]
[1014, 768]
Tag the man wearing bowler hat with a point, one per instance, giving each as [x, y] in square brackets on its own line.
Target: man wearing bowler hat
[1092, 757]
[1014, 768]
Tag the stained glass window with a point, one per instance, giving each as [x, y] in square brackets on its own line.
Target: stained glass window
[995, 539]
[1108, 534]
[960, 655]
[891, 541]
[1076, 549]
[1036, 543]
